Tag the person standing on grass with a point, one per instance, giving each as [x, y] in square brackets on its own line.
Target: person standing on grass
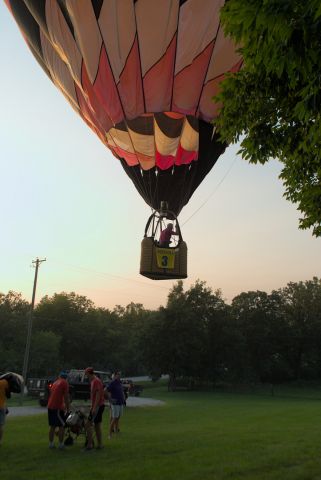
[58, 406]
[4, 394]
[97, 409]
[117, 401]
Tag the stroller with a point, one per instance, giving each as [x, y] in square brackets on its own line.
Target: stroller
[75, 426]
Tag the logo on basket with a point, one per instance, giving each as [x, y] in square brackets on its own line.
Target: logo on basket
[165, 258]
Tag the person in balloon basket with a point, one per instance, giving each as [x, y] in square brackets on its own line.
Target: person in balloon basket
[97, 409]
[166, 235]
[58, 406]
[4, 394]
[115, 393]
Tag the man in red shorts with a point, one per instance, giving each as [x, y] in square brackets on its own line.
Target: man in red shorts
[97, 409]
[58, 405]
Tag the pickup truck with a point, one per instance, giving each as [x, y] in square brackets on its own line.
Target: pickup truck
[79, 387]
[39, 388]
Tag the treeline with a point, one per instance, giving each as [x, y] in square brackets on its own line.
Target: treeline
[197, 336]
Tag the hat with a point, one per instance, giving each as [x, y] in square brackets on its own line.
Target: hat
[63, 374]
[89, 371]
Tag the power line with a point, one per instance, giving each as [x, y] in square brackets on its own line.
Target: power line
[96, 272]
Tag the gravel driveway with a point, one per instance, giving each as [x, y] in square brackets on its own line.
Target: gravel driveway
[38, 410]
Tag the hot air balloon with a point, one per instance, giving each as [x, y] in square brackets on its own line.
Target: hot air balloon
[141, 74]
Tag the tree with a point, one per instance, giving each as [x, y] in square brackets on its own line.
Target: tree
[131, 322]
[173, 342]
[216, 334]
[13, 330]
[260, 321]
[44, 354]
[186, 339]
[89, 335]
[54, 313]
[301, 304]
[274, 102]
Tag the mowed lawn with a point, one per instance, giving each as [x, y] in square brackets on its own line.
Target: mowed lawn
[195, 435]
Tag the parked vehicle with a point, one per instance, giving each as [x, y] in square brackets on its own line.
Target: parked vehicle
[132, 388]
[79, 386]
[40, 388]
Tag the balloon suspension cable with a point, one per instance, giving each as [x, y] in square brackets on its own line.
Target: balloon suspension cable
[213, 192]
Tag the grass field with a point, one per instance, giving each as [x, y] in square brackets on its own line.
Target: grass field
[196, 435]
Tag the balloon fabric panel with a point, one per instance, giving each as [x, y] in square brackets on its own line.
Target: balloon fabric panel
[142, 75]
[62, 39]
[177, 184]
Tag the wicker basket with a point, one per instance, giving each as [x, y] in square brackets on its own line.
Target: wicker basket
[163, 263]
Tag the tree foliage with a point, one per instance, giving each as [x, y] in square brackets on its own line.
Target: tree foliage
[301, 304]
[197, 338]
[274, 103]
[13, 330]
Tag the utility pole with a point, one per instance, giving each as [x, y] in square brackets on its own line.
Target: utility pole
[37, 262]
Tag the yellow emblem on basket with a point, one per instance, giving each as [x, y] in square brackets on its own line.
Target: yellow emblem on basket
[165, 257]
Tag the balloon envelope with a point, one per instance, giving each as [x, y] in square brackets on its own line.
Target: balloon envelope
[142, 75]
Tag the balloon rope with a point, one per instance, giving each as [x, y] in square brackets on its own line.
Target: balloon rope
[214, 191]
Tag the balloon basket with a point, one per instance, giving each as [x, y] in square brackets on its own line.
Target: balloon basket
[159, 263]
